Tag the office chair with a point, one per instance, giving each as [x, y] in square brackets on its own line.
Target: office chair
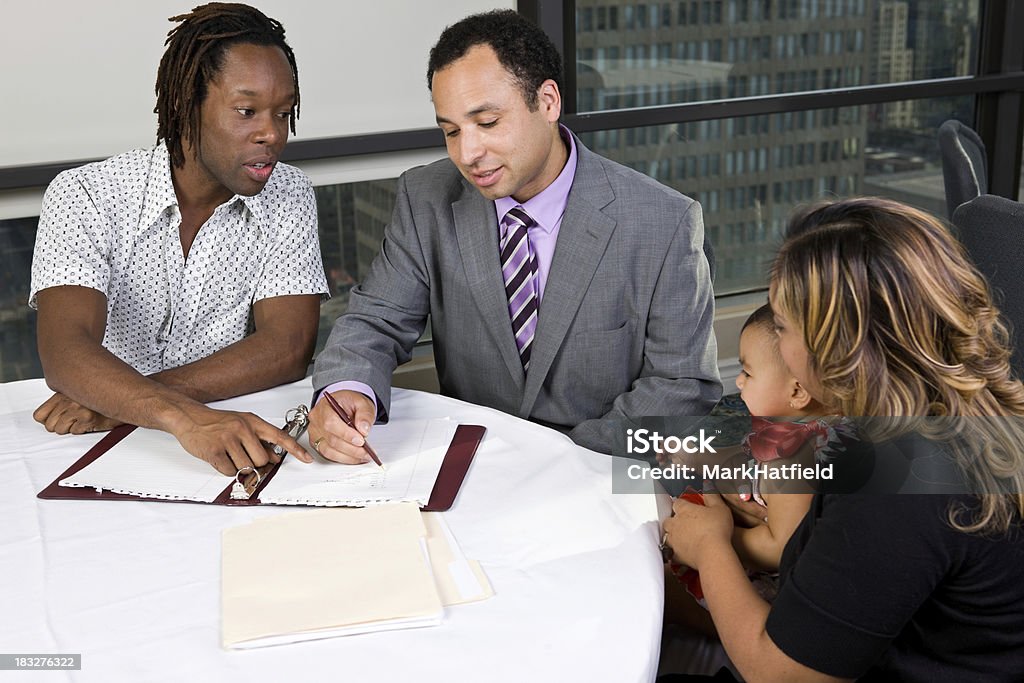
[964, 164]
[992, 230]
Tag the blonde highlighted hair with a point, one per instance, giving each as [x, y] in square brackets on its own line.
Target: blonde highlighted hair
[899, 323]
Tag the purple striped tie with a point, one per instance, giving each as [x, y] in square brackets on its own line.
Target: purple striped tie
[519, 268]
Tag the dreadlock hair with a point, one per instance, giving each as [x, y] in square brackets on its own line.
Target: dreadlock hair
[195, 55]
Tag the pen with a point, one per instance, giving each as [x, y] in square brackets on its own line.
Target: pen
[348, 420]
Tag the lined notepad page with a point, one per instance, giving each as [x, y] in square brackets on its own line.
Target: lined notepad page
[152, 464]
[412, 452]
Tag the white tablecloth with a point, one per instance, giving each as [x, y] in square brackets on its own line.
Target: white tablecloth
[135, 586]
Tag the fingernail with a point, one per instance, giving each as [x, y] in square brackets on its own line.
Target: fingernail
[357, 441]
[364, 427]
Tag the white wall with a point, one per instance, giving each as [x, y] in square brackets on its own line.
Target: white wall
[78, 75]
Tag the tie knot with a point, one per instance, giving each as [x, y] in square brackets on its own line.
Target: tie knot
[517, 216]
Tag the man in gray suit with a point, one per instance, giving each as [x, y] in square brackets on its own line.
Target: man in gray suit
[561, 287]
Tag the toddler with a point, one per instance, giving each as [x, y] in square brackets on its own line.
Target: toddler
[786, 427]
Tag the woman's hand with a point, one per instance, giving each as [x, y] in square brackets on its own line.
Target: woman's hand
[692, 529]
[746, 512]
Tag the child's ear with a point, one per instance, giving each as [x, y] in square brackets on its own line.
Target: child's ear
[798, 396]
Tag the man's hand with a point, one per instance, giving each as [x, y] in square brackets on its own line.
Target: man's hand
[335, 440]
[230, 441]
[60, 415]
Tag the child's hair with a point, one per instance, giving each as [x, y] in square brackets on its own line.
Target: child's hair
[898, 322]
[763, 319]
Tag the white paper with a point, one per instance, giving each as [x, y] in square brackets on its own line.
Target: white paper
[412, 452]
[153, 464]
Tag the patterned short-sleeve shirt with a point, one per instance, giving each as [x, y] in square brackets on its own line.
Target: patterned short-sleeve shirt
[114, 225]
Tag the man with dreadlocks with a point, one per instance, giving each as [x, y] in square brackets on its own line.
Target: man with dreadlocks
[190, 272]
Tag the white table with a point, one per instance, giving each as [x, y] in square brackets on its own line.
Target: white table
[135, 586]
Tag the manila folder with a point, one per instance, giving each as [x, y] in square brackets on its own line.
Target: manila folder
[323, 573]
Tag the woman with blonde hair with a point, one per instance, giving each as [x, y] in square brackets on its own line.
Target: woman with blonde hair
[881, 315]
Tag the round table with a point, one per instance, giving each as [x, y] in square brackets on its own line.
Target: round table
[135, 586]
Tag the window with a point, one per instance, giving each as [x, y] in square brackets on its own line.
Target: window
[771, 163]
[892, 45]
[18, 357]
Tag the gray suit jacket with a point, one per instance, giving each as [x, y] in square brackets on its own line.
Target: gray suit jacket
[624, 328]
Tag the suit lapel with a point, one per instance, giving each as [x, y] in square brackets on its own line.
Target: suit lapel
[582, 240]
[477, 232]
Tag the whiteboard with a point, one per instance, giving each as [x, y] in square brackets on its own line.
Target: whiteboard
[78, 75]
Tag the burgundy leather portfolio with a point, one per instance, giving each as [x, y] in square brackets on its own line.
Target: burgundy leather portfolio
[453, 470]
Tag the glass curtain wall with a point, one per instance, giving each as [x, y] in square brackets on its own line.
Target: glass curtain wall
[749, 172]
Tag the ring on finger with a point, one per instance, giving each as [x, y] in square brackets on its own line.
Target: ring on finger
[665, 548]
[316, 445]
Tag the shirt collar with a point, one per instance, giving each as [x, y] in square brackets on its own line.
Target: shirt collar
[160, 194]
[253, 203]
[547, 207]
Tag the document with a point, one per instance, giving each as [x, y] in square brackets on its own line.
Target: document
[324, 573]
[153, 464]
[412, 451]
[341, 572]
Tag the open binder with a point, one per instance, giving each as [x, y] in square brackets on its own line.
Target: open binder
[453, 470]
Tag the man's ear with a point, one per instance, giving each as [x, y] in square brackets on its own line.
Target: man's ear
[550, 99]
[798, 396]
